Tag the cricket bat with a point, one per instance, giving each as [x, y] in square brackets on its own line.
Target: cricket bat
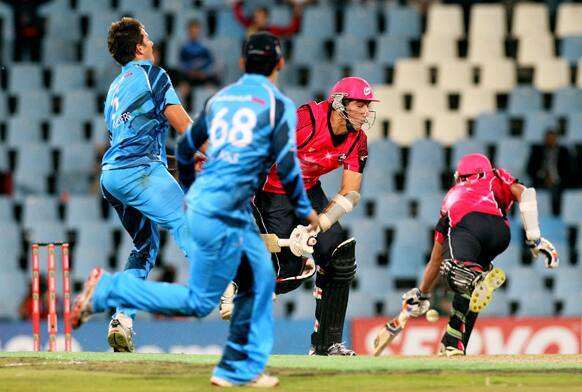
[274, 243]
[390, 330]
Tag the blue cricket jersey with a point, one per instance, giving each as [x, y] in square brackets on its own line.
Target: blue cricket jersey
[134, 115]
[250, 125]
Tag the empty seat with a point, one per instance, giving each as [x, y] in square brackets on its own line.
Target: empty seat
[14, 287]
[429, 206]
[512, 154]
[377, 180]
[30, 174]
[413, 232]
[390, 49]
[6, 209]
[477, 100]
[66, 130]
[571, 50]
[369, 237]
[172, 255]
[567, 100]
[227, 25]
[22, 130]
[491, 127]
[391, 101]
[530, 19]
[58, 51]
[488, 20]
[99, 24]
[11, 245]
[79, 104]
[437, 49]
[551, 75]
[68, 77]
[568, 20]
[308, 50]
[318, 21]
[536, 304]
[536, 125]
[467, 146]
[349, 50]
[571, 211]
[498, 75]
[373, 280]
[523, 280]
[455, 75]
[567, 281]
[361, 305]
[448, 128]
[523, 100]
[389, 209]
[554, 229]
[510, 258]
[445, 20]
[360, 21]
[498, 307]
[484, 48]
[403, 22]
[369, 70]
[322, 76]
[429, 102]
[92, 249]
[406, 261]
[384, 154]
[25, 77]
[421, 183]
[39, 100]
[534, 49]
[299, 95]
[405, 129]
[411, 75]
[77, 165]
[80, 209]
[45, 232]
[426, 154]
[40, 209]
[66, 26]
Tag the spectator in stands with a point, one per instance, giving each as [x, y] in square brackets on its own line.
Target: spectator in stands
[260, 20]
[28, 29]
[197, 66]
[549, 167]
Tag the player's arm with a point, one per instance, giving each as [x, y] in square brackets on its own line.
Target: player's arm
[194, 139]
[431, 271]
[287, 163]
[237, 9]
[178, 117]
[528, 208]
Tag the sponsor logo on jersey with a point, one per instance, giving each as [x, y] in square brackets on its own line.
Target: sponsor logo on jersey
[367, 91]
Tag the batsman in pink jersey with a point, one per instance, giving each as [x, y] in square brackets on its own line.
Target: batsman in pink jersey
[472, 230]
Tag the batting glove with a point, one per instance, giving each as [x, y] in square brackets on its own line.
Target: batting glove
[301, 241]
[544, 247]
[416, 302]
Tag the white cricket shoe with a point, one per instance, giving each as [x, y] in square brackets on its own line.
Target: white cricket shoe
[120, 334]
[483, 291]
[261, 381]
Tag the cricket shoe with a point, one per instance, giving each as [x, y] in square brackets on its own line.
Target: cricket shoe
[336, 349]
[120, 334]
[82, 309]
[483, 291]
[226, 306]
[449, 351]
[261, 381]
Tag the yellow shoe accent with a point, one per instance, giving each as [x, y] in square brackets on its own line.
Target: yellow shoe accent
[483, 292]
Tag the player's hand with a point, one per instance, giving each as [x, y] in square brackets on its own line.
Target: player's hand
[417, 303]
[313, 220]
[199, 160]
[301, 241]
[544, 247]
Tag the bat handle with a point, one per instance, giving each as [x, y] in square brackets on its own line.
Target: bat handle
[283, 242]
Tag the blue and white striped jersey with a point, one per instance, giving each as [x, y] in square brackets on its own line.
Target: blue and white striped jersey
[249, 125]
[134, 115]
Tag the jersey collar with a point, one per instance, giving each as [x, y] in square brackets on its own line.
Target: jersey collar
[138, 62]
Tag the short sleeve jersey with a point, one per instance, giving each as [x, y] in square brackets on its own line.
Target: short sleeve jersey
[134, 115]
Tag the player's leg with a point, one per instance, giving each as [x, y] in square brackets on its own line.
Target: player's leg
[251, 329]
[336, 268]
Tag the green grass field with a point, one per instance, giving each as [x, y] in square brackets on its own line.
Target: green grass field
[61, 372]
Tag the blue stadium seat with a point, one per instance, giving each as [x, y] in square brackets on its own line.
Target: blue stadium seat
[79, 104]
[77, 165]
[318, 21]
[536, 125]
[429, 206]
[377, 180]
[58, 51]
[303, 305]
[181, 21]
[390, 208]
[498, 307]
[91, 7]
[46, 232]
[99, 133]
[360, 21]
[4, 162]
[467, 146]
[544, 202]
[554, 229]
[280, 15]
[406, 261]
[491, 127]
[13, 287]
[574, 128]
[99, 24]
[92, 249]
[571, 211]
[30, 173]
[536, 304]
[34, 104]
[403, 22]
[307, 50]
[523, 100]
[66, 27]
[39, 209]
[6, 209]
[349, 50]
[567, 100]
[371, 71]
[419, 183]
[128, 6]
[66, 77]
[426, 154]
[413, 232]
[10, 243]
[571, 49]
[22, 130]
[95, 54]
[3, 106]
[173, 255]
[361, 305]
[228, 26]
[299, 95]
[384, 153]
[523, 281]
[322, 76]
[66, 130]
[572, 307]
[82, 208]
[510, 258]
[199, 97]
[512, 155]
[373, 279]
[154, 22]
[390, 49]
[369, 239]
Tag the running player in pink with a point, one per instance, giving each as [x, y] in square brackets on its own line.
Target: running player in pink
[472, 230]
[329, 136]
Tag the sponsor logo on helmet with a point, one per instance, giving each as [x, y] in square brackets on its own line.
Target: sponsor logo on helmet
[367, 91]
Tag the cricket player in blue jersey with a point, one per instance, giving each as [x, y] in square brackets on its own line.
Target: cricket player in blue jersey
[140, 105]
[249, 126]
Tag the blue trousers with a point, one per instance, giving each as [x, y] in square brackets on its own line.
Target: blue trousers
[221, 251]
[144, 198]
